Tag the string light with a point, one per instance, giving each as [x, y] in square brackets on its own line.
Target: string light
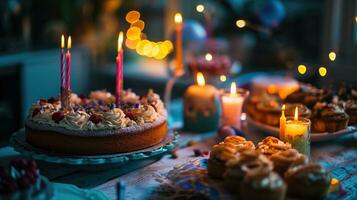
[322, 71]
[132, 16]
[223, 78]
[241, 23]
[302, 69]
[200, 8]
[332, 56]
[208, 57]
[356, 18]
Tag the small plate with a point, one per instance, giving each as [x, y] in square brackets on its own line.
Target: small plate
[19, 143]
[315, 137]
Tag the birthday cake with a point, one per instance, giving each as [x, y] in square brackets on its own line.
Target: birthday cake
[95, 125]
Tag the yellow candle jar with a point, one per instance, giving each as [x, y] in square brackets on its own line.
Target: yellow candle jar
[297, 133]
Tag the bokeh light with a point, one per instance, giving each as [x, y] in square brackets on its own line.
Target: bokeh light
[133, 33]
[332, 56]
[200, 8]
[208, 57]
[302, 69]
[241, 23]
[139, 24]
[132, 16]
[322, 71]
[223, 78]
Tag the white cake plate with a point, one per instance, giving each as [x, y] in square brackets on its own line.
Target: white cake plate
[315, 137]
[18, 142]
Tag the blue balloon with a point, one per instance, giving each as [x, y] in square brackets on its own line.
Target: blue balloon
[270, 12]
[192, 31]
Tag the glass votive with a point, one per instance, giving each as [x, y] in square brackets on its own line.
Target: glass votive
[231, 106]
[297, 133]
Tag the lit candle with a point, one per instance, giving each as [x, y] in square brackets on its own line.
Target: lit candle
[297, 133]
[179, 66]
[282, 123]
[232, 107]
[68, 64]
[119, 70]
[201, 107]
[62, 62]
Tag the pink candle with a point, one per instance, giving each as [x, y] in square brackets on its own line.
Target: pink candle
[62, 62]
[179, 66]
[119, 70]
[68, 64]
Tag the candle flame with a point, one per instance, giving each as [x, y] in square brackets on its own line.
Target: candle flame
[62, 41]
[296, 116]
[178, 18]
[120, 40]
[69, 42]
[200, 79]
[283, 108]
[233, 89]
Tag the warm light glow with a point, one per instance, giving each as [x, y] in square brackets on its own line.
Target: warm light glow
[322, 71]
[296, 115]
[133, 33]
[120, 41]
[283, 108]
[208, 57]
[139, 24]
[200, 79]
[272, 89]
[243, 116]
[233, 89]
[356, 18]
[178, 18]
[241, 23]
[223, 78]
[62, 41]
[69, 42]
[132, 16]
[200, 8]
[334, 181]
[332, 56]
[302, 69]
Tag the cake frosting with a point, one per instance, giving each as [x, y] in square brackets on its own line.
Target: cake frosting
[97, 114]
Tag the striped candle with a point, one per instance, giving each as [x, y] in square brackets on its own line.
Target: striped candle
[119, 70]
[68, 64]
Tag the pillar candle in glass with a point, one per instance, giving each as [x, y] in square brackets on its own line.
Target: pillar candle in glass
[297, 133]
[232, 103]
[201, 107]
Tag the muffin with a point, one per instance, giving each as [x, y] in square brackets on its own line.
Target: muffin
[351, 109]
[283, 159]
[328, 118]
[238, 168]
[261, 184]
[224, 151]
[254, 100]
[271, 111]
[307, 95]
[271, 145]
[307, 181]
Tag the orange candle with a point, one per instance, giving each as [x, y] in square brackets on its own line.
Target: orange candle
[179, 66]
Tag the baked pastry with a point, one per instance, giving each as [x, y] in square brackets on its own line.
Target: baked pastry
[271, 111]
[283, 159]
[307, 180]
[260, 183]
[351, 109]
[254, 100]
[225, 151]
[328, 118]
[95, 125]
[244, 163]
[23, 181]
[307, 95]
[271, 145]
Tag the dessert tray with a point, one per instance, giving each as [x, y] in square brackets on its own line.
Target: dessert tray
[18, 142]
[315, 137]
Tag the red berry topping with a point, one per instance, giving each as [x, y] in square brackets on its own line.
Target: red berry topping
[36, 111]
[130, 115]
[24, 182]
[57, 116]
[95, 118]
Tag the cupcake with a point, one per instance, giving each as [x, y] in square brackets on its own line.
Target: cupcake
[237, 168]
[351, 109]
[283, 159]
[307, 181]
[271, 111]
[307, 95]
[328, 118]
[225, 151]
[271, 145]
[260, 183]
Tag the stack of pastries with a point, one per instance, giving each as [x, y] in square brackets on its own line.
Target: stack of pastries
[272, 170]
[328, 111]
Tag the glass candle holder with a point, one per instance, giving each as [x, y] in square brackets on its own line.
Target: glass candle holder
[297, 133]
[231, 106]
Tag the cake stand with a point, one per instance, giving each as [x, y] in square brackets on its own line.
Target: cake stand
[19, 143]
